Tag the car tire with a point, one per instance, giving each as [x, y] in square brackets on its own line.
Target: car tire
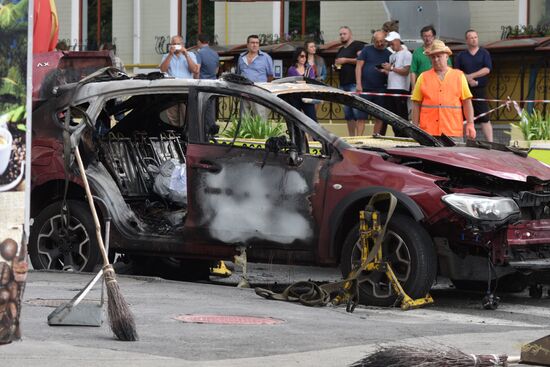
[410, 251]
[51, 248]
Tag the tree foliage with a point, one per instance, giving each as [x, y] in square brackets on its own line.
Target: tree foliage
[13, 48]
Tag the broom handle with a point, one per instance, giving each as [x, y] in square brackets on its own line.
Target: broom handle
[92, 207]
[514, 359]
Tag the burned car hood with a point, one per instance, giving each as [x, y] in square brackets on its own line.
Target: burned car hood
[505, 165]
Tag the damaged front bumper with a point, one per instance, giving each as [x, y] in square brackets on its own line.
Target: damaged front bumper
[529, 243]
[529, 232]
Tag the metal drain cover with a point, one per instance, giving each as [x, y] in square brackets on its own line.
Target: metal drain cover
[228, 320]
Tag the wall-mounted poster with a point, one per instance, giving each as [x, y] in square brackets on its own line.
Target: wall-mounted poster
[13, 165]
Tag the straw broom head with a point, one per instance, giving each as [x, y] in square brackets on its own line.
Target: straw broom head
[405, 356]
[121, 318]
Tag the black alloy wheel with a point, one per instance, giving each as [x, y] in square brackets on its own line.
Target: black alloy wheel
[56, 245]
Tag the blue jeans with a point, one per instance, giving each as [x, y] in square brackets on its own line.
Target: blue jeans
[351, 114]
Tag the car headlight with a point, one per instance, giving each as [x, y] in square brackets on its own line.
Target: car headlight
[482, 207]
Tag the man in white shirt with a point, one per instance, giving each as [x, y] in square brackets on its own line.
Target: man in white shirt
[399, 79]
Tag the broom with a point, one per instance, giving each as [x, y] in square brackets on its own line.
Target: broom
[405, 356]
[120, 316]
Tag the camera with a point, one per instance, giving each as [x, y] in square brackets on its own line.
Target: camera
[177, 47]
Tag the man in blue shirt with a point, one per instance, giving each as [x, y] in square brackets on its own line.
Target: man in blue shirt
[208, 59]
[209, 63]
[370, 77]
[476, 63]
[178, 62]
[255, 64]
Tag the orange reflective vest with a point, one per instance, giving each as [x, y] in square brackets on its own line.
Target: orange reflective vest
[441, 108]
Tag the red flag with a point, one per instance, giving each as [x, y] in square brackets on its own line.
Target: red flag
[46, 26]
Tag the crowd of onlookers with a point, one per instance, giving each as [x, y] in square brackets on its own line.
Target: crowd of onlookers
[422, 86]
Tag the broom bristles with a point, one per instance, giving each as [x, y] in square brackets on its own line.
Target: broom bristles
[406, 356]
[120, 316]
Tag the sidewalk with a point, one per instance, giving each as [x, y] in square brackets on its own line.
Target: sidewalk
[307, 337]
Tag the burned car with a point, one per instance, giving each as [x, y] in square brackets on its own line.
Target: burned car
[469, 213]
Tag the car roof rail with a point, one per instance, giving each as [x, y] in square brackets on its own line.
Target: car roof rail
[236, 78]
[154, 75]
[295, 79]
[105, 74]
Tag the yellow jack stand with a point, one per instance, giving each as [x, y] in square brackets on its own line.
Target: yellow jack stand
[368, 236]
[220, 270]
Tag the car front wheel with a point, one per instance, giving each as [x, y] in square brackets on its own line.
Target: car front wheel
[59, 246]
[409, 250]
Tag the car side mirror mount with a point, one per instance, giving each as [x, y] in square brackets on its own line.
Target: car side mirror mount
[294, 159]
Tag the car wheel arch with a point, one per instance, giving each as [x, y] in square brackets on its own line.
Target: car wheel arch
[52, 191]
[346, 213]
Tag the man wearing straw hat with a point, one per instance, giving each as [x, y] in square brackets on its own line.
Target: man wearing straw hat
[441, 95]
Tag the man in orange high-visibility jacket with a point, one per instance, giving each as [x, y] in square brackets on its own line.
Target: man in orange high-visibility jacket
[440, 96]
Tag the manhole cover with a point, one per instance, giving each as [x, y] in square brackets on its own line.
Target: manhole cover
[228, 320]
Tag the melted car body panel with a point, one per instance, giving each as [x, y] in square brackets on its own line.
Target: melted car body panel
[241, 195]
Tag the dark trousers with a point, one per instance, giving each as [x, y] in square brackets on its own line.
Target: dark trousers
[398, 105]
[307, 108]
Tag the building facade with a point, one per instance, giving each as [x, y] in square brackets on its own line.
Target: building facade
[141, 29]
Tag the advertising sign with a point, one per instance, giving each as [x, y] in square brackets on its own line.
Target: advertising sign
[14, 52]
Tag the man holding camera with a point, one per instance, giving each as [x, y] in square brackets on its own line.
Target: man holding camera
[178, 62]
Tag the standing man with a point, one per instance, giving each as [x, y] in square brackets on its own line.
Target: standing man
[180, 64]
[209, 64]
[345, 62]
[255, 64]
[476, 63]
[441, 95]
[207, 59]
[421, 62]
[370, 76]
[399, 79]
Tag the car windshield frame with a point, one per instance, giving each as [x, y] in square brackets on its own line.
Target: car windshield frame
[328, 94]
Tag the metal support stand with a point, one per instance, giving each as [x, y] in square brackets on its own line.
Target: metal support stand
[75, 312]
[240, 260]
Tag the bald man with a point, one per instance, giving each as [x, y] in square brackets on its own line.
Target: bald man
[370, 76]
[180, 64]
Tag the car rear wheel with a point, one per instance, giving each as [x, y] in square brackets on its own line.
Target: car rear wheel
[409, 250]
[53, 245]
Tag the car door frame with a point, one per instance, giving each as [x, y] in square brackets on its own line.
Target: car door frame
[197, 138]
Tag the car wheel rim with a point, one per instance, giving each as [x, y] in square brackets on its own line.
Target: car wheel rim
[396, 252]
[63, 249]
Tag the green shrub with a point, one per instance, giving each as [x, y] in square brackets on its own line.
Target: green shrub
[535, 126]
[253, 127]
